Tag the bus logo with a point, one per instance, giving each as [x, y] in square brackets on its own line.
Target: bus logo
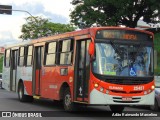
[115, 88]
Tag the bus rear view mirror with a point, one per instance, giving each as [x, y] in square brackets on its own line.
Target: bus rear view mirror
[91, 49]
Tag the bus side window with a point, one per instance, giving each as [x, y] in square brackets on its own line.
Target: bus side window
[7, 58]
[21, 56]
[29, 53]
[50, 53]
[66, 52]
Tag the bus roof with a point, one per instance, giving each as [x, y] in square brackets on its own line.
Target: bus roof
[91, 31]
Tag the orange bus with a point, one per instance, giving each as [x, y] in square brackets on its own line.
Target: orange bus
[95, 66]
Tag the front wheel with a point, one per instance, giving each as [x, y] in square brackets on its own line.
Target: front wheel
[22, 97]
[67, 102]
[117, 108]
[155, 106]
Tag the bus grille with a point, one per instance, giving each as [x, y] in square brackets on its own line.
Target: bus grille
[124, 92]
[128, 81]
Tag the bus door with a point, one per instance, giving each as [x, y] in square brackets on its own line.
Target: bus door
[82, 68]
[13, 75]
[38, 54]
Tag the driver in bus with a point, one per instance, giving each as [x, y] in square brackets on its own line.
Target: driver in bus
[139, 65]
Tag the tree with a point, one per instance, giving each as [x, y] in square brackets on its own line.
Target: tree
[157, 48]
[1, 64]
[114, 12]
[39, 27]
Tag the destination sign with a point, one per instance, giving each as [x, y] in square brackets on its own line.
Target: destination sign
[122, 34]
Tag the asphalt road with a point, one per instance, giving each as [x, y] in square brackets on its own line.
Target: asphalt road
[9, 102]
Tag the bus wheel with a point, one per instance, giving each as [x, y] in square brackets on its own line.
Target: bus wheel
[155, 106]
[22, 97]
[117, 108]
[67, 102]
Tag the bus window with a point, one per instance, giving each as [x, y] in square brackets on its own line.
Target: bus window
[50, 53]
[29, 55]
[21, 56]
[66, 48]
[7, 58]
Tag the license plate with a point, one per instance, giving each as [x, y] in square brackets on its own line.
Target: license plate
[126, 99]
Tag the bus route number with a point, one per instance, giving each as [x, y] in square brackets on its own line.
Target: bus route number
[138, 87]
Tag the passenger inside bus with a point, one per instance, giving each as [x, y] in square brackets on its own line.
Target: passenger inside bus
[124, 60]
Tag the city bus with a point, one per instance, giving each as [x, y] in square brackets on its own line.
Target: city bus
[93, 66]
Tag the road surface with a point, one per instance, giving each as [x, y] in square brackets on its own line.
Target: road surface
[9, 103]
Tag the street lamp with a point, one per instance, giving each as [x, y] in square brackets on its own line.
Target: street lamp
[7, 9]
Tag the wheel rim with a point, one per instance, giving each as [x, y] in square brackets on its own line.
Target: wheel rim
[20, 93]
[67, 100]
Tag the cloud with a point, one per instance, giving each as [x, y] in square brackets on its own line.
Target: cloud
[6, 37]
[57, 11]
[37, 9]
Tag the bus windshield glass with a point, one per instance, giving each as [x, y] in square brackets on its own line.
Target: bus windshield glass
[123, 60]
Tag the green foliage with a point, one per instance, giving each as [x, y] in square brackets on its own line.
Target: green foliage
[157, 48]
[40, 27]
[157, 71]
[1, 64]
[114, 12]
[157, 42]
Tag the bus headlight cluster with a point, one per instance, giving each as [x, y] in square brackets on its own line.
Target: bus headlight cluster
[149, 90]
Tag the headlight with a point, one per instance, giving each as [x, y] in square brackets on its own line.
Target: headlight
[101, 89]
[152, 87]
[145, 92]
[107, 91]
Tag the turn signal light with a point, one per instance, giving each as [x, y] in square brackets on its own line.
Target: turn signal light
[153, 87]
[96, 85]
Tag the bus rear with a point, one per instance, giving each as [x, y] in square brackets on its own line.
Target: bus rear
[121, 68]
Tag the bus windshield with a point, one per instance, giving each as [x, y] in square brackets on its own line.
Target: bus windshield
[123, 60]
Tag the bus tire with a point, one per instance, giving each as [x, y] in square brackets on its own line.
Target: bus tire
[22, 97]
[155, 106]
[67, 102]
[117, 108]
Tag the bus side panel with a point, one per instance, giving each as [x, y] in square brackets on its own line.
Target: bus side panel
[65, 75]
[28, 87]
[53, 79]
[6, 78]
[25, 74]
[48, 86]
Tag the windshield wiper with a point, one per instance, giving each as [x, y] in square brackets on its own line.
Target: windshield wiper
[117, 50]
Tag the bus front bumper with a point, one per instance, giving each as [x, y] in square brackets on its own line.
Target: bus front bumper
[97, 97]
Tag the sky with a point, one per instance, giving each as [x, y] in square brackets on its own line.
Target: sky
[56, 10]
[10, 25]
